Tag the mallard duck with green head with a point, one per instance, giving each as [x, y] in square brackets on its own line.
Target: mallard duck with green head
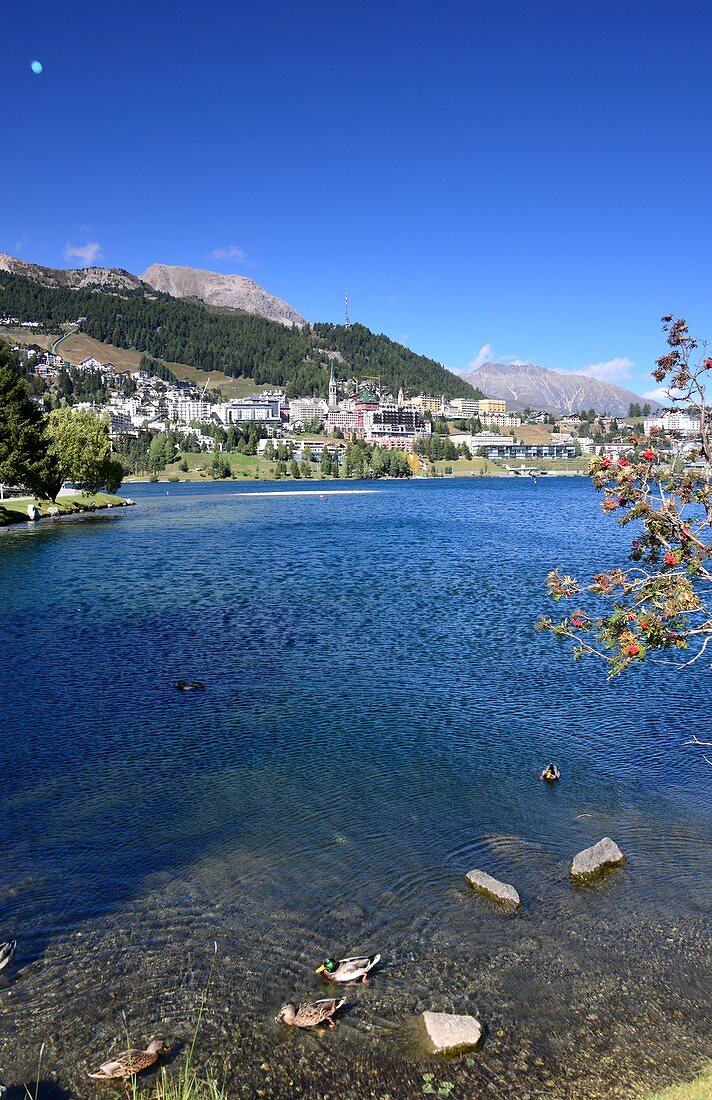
[310, 1013]
[348, 970]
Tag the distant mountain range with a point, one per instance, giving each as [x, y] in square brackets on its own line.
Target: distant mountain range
[109, 280]
[210, 287]
[541, 388]
[226, 291]
[230, 323]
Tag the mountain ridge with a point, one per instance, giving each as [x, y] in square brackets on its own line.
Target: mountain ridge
[223, 291]
[525, 384]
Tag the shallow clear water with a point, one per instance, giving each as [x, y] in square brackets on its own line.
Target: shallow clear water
[377, 709]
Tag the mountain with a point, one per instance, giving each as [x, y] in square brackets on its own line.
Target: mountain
[109, 280]
[541, 388]
[227, 291]
[239, 344]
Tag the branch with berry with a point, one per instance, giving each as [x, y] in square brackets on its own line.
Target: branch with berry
[661, 599]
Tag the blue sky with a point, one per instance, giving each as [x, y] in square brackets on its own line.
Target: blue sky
[528, 177]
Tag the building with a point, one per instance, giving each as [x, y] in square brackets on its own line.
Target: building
[506, 447]
[394, 422]
[181, 410]
[305, 410]
[333, 400]
[672, 420]
[91, 363]
[347, 421]
[424, 403]
[255, 409]
[467, 407]
[491, 405]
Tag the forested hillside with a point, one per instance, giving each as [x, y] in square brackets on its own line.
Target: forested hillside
[239, 344]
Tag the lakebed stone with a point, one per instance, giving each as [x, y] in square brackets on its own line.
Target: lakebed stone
[447, 1032]
[596, 859]
[493, 888]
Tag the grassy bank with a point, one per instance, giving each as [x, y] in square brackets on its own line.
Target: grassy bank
[15, 510]
[699, 1089]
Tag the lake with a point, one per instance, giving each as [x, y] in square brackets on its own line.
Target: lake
[377, 709]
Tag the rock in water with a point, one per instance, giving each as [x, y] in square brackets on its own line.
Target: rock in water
[592, 861]
[448, 1033]
[499, 891]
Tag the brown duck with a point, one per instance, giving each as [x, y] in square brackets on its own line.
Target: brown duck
[310, 1014]
[129, 1062]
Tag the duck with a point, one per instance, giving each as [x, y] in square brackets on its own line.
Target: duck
[190, 685]
[310, 1013]
[348, 970]
[129, 1062]
[7, 953]
[550, 774]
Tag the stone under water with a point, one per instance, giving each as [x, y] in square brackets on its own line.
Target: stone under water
[502, 892]
[447, 1032]
[592, 861]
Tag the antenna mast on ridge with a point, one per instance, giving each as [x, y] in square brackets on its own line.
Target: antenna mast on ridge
[347, 322]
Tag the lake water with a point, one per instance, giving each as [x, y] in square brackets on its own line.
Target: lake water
[376, 712]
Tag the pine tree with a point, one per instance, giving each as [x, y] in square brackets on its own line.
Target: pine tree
[24, 458]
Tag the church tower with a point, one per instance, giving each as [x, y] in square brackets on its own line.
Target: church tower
[332, 389]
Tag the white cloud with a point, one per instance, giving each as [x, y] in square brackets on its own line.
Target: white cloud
[229, 254]
[484, 355]
[664, 396]
[610, 370]
[87, 253]
[19, 245]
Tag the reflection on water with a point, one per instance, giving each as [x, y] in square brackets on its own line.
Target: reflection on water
[377, 710]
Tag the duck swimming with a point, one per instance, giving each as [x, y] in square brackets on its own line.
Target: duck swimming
[309, 1014]
[550, 774]
[190, 685]
[129, 1062]
[348, 970]
[7, 953]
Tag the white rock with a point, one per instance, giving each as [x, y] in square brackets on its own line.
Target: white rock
[447, 1032]
[593, 860]
[500, 891]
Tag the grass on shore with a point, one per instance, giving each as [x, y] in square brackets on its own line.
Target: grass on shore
[699, 1089]
[14, 510]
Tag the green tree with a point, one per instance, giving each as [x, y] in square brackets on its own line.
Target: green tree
[294, 469]
[24, 454]
[81, 448]
[661, 599]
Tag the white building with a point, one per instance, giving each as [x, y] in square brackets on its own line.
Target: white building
[303, 410]
[673, 420]
[91, 363]
[182, 410]
[263, 410]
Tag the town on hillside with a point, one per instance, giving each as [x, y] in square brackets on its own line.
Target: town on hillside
[156, 419]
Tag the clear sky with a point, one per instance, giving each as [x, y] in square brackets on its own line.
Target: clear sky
[524, 179]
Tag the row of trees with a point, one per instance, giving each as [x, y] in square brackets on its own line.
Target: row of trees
[39, 451]
[235, 343]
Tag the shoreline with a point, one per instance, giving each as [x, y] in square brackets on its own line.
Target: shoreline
[140, 479]
[63, 508]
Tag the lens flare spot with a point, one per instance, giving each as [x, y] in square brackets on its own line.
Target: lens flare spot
[36, 67]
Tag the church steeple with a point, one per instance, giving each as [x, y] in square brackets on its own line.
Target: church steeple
[332, 389]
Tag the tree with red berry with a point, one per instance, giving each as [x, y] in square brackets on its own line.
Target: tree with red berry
[660, 601]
